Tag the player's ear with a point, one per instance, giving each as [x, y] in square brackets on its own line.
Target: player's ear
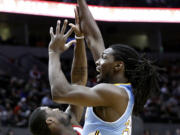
[52, 124]
[119, 65]
[50, 121]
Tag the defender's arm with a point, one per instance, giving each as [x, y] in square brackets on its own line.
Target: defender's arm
[79, 67]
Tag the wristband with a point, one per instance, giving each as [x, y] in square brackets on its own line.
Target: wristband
[82, 37]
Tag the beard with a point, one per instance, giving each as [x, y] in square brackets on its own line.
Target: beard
[68, 120]
[65, 121]
[101, 79]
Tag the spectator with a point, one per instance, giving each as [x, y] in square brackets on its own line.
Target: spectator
[34, 73]
[46, 101]
[177, 131]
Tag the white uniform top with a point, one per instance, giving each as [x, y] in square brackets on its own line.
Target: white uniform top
[123, 126]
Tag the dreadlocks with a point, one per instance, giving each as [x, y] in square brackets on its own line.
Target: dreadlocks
[140, 73]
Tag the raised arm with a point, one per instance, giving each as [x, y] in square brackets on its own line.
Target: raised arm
[90, 29]
[56, 47]
[79, 67]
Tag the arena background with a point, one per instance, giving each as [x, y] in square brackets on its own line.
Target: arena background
[24, 38]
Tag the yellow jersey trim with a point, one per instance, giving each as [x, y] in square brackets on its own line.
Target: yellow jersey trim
[97, 132]
[116, 84]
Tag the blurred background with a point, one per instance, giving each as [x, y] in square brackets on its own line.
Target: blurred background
[24, 85]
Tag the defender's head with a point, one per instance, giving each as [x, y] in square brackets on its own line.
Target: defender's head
[47, 121]
[116, 59]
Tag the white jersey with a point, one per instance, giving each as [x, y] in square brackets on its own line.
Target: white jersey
[123, 126]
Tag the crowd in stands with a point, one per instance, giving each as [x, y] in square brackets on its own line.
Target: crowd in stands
[129, 3]
[20, 96]
[166, 106]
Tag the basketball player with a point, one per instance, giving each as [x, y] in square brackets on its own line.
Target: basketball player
[124, 78]
[48, 121]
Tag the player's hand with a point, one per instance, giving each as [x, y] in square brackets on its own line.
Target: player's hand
[58, 40]
[76, 28]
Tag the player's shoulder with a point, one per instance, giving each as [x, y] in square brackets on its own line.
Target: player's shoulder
[110, 88]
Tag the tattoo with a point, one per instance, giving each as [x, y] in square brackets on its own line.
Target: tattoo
[79, 70]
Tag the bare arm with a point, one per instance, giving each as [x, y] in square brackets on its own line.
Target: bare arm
[56, 46]
[106, 95]
[79, 65]
[78, 75]
[90, 29]
[79, 68]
